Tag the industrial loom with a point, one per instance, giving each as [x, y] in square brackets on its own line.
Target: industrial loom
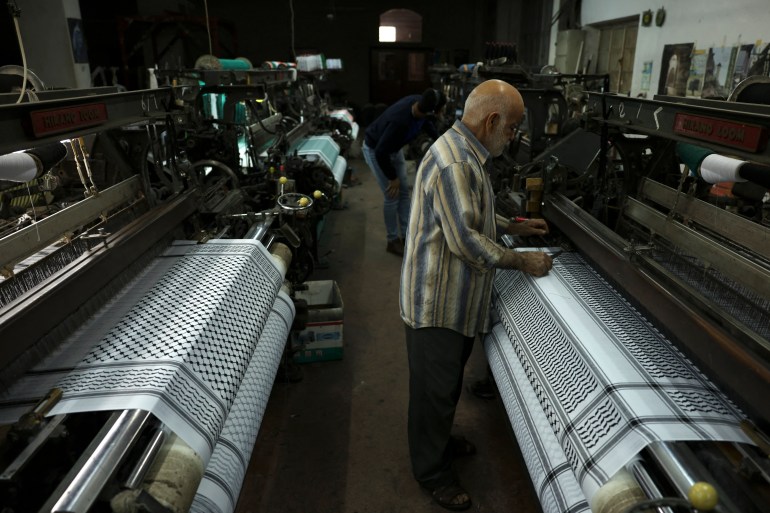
[636, 373]
[151, 245]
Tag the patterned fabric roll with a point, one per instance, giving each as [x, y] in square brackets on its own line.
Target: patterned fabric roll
[606, 379]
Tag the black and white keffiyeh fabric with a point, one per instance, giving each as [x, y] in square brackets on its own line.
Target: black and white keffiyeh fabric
[552, 476]
[605, 380]
[219, 490]
[183, 349]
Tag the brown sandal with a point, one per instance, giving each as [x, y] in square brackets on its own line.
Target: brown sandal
[452, 497]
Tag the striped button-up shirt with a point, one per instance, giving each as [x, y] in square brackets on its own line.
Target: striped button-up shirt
[446, 277]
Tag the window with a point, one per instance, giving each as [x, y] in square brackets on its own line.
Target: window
[400, 25]
[387, 34]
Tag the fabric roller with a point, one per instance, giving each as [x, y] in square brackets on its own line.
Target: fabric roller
[345, 115]
[182, 356]
[552, 476]
[30, 164]
[340, 167]
[199, 350]
[320, 148]
[221, 484]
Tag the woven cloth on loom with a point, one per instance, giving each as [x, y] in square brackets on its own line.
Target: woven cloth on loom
[606, 379]
[182, 350]
[551, 473]
[222, 481]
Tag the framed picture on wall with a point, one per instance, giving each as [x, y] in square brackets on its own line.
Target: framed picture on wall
[697, 73]
[741, 68]
[759, 62]
[675, 69]
[719, 72]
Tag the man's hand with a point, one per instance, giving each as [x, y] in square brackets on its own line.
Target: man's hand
[528, 227]
[393, 187]
[535, 263]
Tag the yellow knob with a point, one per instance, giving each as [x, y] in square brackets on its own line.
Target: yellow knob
[703, 496]
[283, 180]
[271, 169]
[303, 202]
[317, 194]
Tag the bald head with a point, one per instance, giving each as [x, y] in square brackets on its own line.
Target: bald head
[492, 111]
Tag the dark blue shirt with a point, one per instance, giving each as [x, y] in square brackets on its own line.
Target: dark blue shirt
[393, 129]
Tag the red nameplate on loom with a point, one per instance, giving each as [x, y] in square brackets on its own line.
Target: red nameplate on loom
[729, 133]
[54, 121]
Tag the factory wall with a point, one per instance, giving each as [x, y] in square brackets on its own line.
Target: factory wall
[125, 36]
[53, 39]
[345, 29]
[706, 24]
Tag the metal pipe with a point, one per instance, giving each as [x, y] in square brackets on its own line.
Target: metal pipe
[648, 485]
[258, 230]
[147, 458]
[99, 461]
[643, 477]
[269, 242]
[683, 469]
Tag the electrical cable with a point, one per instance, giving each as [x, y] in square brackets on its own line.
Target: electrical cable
[34, 211]
[15, 14]
[291, 8]
[259, 119]
[208, 25]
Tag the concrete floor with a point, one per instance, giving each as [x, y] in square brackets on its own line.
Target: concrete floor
[335, 442]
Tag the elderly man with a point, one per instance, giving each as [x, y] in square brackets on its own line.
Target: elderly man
[446, 278]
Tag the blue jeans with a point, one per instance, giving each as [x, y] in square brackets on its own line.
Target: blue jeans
[395, 210]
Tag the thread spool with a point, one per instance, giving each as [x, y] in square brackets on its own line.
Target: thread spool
[692, 156]
[172, 480]
[278, 65]
[211, 62]
[237, 63]
[717, 168]
[30, 164]
[19, 167]
[282, 256]
[618, 494]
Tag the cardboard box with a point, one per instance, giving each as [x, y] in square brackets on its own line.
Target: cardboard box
[321, 340]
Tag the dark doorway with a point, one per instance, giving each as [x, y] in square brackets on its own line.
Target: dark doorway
[398, 71]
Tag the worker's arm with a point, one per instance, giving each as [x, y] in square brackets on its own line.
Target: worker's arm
[391, 140]
[521, 226]
[456, 201]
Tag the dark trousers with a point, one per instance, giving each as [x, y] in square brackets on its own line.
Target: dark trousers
[437, 358]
